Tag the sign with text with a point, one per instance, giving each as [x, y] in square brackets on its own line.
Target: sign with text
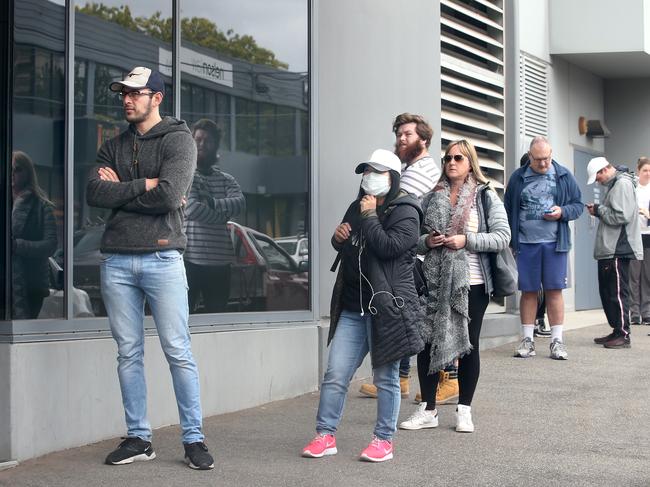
[197, 64]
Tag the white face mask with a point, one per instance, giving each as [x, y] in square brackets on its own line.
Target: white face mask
[376, 184]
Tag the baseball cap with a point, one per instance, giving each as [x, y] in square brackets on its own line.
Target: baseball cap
[595, 165]
[381, 160]
[140, 78]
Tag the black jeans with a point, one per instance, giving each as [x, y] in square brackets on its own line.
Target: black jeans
[469, 366]
[212, 283]
[613, 285]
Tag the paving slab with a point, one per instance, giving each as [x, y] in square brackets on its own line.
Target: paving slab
[580, 422]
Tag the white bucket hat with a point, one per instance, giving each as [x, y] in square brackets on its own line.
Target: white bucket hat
[381, 160]
[595, 165]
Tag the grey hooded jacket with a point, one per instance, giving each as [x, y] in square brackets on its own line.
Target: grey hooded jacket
[618, 233]
[145, 221]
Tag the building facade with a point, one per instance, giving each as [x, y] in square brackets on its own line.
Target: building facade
[301, 94]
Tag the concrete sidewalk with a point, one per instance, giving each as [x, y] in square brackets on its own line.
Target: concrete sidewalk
[538, 422]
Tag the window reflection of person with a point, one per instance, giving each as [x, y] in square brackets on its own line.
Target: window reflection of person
[215, 197]
[33, 238]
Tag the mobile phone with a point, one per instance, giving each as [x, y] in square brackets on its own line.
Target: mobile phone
[548, 212]
[435, 233]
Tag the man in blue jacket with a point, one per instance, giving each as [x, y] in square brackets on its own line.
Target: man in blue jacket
[541, 198]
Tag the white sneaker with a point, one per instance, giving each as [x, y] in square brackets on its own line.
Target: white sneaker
[558, 350]
[421, 419]
[526, 348]
[464, 419]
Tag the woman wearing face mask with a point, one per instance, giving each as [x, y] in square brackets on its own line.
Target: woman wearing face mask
[464, 220]
[374, 303]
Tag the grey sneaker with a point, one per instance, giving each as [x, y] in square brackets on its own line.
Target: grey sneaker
[526, 348]
[558, 350]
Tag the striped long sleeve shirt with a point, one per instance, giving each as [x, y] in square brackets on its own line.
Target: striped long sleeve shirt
[420, 177]
[214, 199]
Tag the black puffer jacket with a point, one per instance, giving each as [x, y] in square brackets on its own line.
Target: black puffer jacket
[390, 242]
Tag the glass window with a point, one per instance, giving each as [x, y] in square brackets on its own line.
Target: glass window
[37, 163]
[111, 38]
[244, 89]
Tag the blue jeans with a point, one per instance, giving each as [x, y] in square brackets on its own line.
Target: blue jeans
[349, 347]
[126, 280]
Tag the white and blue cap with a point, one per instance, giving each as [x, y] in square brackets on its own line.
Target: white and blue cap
[140, 78]
[382, 160]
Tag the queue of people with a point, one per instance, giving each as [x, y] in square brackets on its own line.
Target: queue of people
[414, 256]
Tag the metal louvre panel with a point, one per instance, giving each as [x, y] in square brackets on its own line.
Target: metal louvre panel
[470, 120]
[478, 141]
[490, 5]
[471, 70]
[446, 39]
[471, 12]
[469, 102]
[472, 80]
[447, 78]
[534, 96]
[469, 31]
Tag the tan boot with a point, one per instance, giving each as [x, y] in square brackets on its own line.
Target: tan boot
[404, 386]
[368, 390]
[447, 392]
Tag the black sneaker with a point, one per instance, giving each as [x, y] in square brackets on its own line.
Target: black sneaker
[602, 340]
[541, 329]
[635, 320]
[132, 449]
[197, 456]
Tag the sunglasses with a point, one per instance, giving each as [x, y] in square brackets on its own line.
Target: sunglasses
[456, 158]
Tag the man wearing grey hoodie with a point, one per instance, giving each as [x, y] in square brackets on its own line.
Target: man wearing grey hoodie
[618, 240]
[143, 176]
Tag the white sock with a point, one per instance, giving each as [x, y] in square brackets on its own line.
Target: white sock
[556, 332]
[527, 331]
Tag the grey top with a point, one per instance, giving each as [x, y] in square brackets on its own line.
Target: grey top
[145, 221]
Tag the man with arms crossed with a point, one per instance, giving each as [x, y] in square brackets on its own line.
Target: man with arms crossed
[143, 175]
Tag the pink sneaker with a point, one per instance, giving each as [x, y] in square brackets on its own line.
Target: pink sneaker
[378, 450]
[320, 446]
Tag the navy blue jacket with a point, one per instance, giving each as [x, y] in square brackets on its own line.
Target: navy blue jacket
[568, 198]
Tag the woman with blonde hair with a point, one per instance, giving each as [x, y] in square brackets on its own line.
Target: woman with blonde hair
[464, 220]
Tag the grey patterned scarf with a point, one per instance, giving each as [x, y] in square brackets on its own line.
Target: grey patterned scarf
[447, 274]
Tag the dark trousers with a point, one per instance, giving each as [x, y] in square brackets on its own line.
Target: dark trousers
[212, 283]
[613, 285]
[640, 284]
[469, 366]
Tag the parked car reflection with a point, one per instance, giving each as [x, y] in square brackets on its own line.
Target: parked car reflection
[297, 247]
[264, 277]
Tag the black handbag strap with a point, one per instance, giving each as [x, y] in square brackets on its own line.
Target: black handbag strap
[485, 210]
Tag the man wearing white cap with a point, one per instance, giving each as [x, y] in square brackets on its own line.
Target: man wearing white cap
[618, 240]
[143, 176]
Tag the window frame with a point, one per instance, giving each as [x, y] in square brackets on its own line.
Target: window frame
[70, 328]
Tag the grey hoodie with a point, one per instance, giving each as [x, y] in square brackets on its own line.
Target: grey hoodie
[145, 221]
[618, 233]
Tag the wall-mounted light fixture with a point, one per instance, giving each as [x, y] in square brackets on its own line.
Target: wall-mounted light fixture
[594, 129]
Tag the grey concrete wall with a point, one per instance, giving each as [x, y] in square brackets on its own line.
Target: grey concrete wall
[627, 114]
[66, 394]
[374, 60]
[5, 402]
[573, 92]
[576, 26]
